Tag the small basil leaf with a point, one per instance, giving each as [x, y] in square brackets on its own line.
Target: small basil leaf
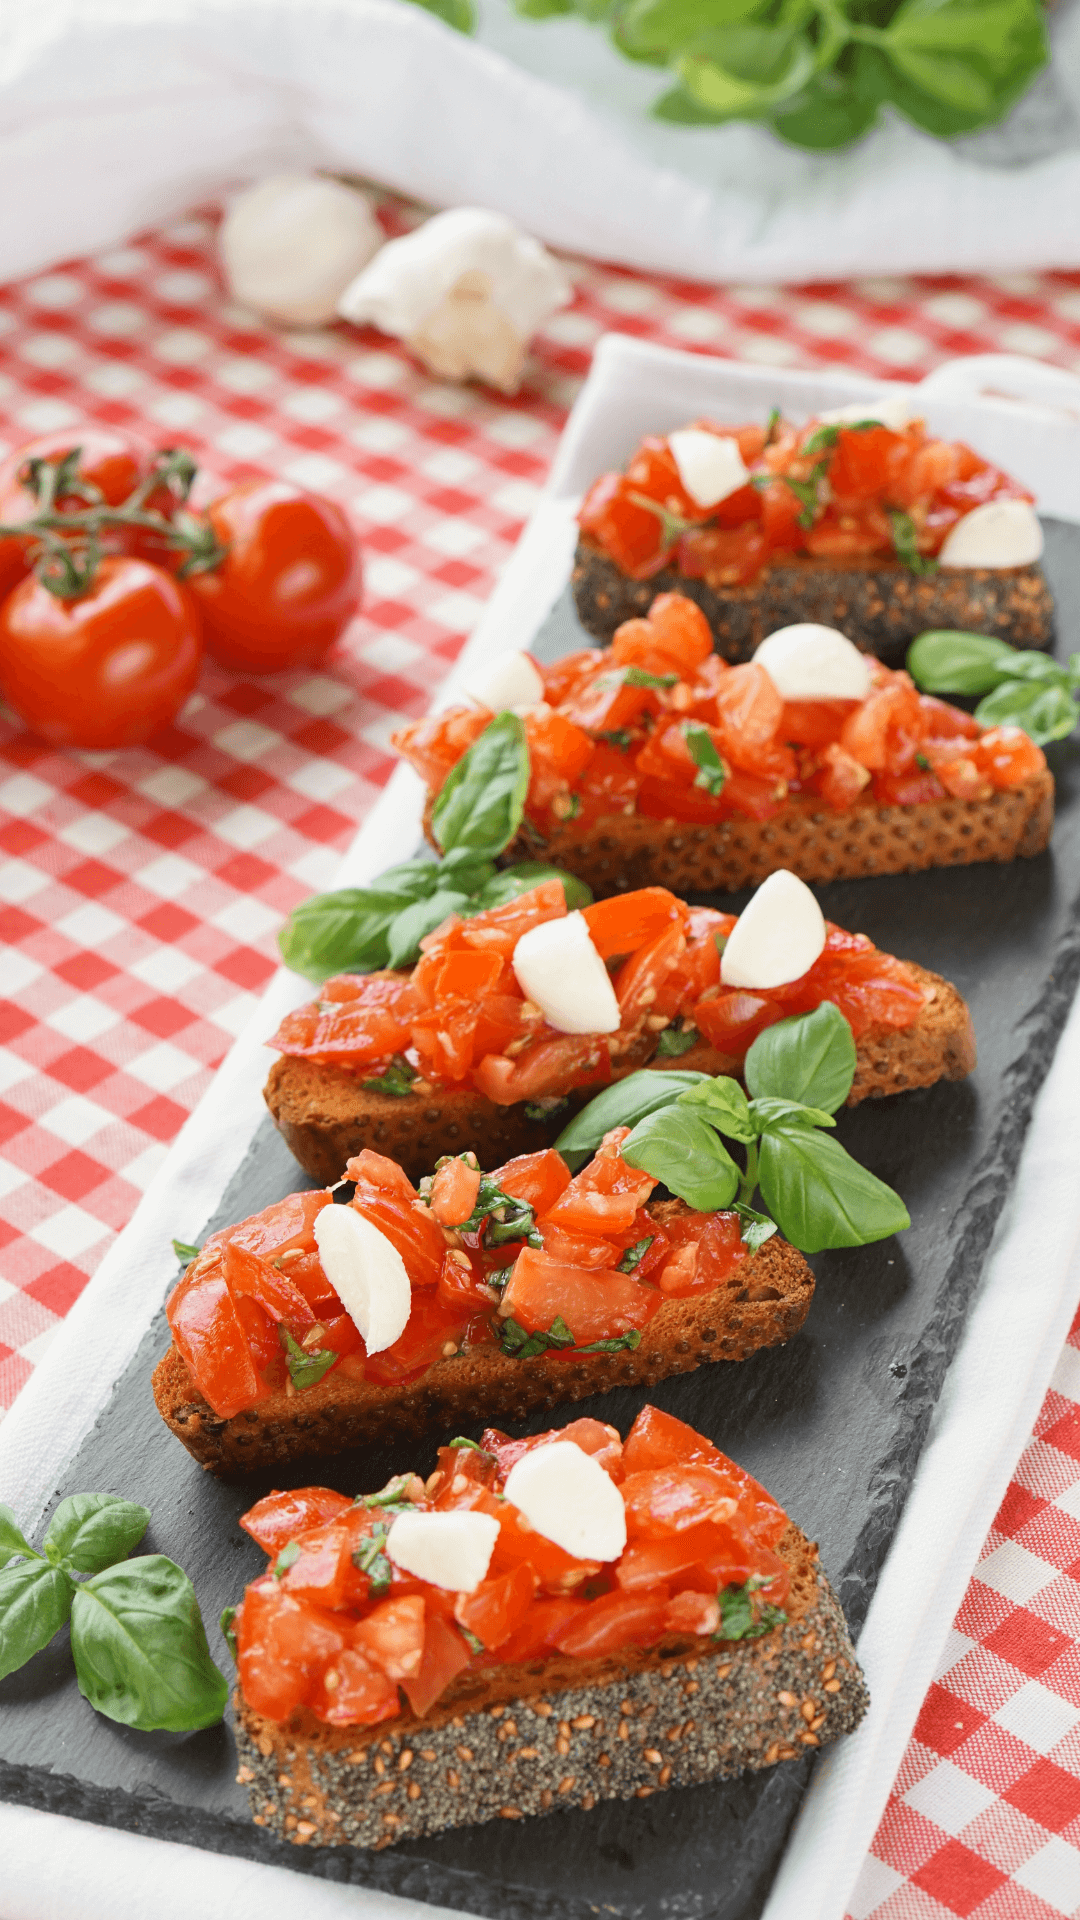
[810, 1057]
[680, 1149]
[723, 1103]
[819, 1196]
[757, 1227]
[1046, 712]
[674, 1041]
[711, 771]
[343, 932]
[140, 1648]
[92, 1530]
[461, 872]
[769, 1111]
[482, 799]
[623, 1105]
[305, 1369]
[522, 878]
[1032, 665]
[228, 1615]
[409, 927]
[459, 14]
[12, 1538]
[905, 536]
[35, 1601]
[185, 1252]
[945, 662]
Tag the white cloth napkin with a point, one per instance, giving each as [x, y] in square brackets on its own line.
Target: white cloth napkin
[118, 114]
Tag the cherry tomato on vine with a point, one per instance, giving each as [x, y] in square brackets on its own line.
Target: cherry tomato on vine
[289, 583]
[107, 668]
[112, 462]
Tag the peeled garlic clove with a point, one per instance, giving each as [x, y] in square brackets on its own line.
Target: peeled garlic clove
[560, 971]
[1000, 533]
[777, 938]
[566, 1495]
[292, 244]
[810, 662]
[466, 292]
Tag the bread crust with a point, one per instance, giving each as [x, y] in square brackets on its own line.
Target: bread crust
[882, 606]
[622, 851]
[325, 1115]
[762, 1304]
[512, 1742]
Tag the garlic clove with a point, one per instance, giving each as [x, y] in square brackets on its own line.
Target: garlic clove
[777, 938]
[466, 291]
[366, 1272]
[513, 680]
[293, 243]
[559, 969]
[1000, 533]
[449, 1550]
[809, 662]
[566, 1495]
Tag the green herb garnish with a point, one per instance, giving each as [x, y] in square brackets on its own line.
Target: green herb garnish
[370, 1557]
[676, 1040]
[523, 1346]
[711, 770]
[305, 1369]
[743, 1616]
[288, 1557]
[398, 1079]
[634, 1255]
[1021, 687]
[906, 543]
[184, 1252]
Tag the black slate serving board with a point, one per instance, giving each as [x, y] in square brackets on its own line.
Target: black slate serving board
[833, 1424]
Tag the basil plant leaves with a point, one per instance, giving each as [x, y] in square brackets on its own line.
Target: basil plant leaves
[1020, 687]
[137, 1635]
[798, 1073]
[476, 815]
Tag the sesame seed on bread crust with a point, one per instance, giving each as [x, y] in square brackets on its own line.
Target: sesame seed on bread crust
[325, 1115]
[762, 1304]
[510, 1742]
[880, 604]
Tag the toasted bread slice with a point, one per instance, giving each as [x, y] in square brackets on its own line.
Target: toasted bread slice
[623, 851]
[507, 1742]
[325, 1115]
[763, 1304]
[882, 606]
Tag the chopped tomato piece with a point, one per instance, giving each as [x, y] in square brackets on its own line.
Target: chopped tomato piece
[658, 1439]
[690, 1612]
[210, 1338]
[630, 921]
[679, 634]
[548, 1067]
[595, 1306]
[500, 928]
[462, 1286]
[705, 1557]
[453, 1191]
[283, 1647]
[409, 1226]
[665, 1500]
[814, 723]
[841, 778]
[355, 1693]
[445, 1655]
[544, 1619]
[592, 1436]
[432, 1328]
[248, 1273]
[730, 1021]
[324, 1571]
[616, 1620]
[435, 746]
[537, 1178]
[496, 1607]
[666, 799]
[276, 1519]
[391, 1636]
[1008, 756]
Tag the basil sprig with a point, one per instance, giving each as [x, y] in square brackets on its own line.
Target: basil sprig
[744, 1615]
[711, 771]
[305, 1369]
[1021, 688]
[905, 537]
[482, 799]
[520, 1345]
[137, 1635]
[798, 1073]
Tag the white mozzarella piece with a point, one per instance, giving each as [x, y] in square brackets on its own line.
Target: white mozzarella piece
[511, 681]
[1001, 533]
[892, 410]
[808, 662]
[366, 1272]
[566, 1495]
[558, 967]
[776, 938]
[710, 464]
[450, 1550]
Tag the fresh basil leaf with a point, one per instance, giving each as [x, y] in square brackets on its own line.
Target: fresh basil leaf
[513, 881]
[472, 1640]
[819, 1196]
[637, 677]
[906, 543]
[757, 1227]
[655, 30]
[679, 1148]
[482, 799]
[521, 1345]
[470, 1446]
[140, 1648]
[622, 1105]
[288, 1557]
[12, 1539]
[370, 1557]
[711, 770]
[741, 1618]
[390, 1497]
[185, 1252]
[973, 57]
[946, 662]
[35, 1601]
[305, 1369]
[461, 872]
[723, 1103]
[1045, 711]
[228, 1615]
[745, 70]
[346, 932]
[619, 1343]
[680, 109]
[674, 1041]
[1031, 665]
[810, 1057]
[770, 1111]
[837, 105]
[634, 1255]
[409, 927]
[92, 1530]
[397, 1080]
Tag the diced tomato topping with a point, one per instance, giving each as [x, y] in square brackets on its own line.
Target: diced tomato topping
[630, 921]
[453, 1191]
[537, 1178]
[615, 1620]
[391, 1636]
[278, 1518]
[496, 1607]
[445, 1656]
[360, 1695]
[409, 1226]
[594, 1306]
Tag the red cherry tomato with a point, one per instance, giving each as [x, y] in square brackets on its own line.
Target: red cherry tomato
[290, 581]
[108, 669]
[109, 461]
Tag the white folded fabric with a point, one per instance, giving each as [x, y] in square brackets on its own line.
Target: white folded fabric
[119, 114]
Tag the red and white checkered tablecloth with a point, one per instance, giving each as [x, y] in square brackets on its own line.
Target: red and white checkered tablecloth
[140, 892]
